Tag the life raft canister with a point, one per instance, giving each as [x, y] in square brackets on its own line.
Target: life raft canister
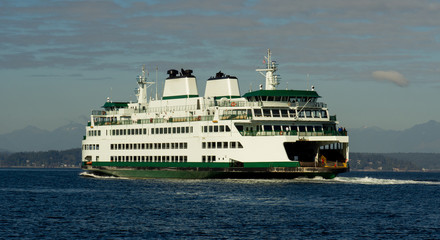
[233, 104]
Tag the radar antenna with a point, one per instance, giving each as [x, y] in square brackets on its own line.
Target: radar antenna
[268, 72]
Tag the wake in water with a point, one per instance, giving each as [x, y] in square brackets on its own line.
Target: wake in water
[336, 180]
[379, 181]
[91, 175]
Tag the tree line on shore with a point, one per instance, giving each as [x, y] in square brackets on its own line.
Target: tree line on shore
[358, 161]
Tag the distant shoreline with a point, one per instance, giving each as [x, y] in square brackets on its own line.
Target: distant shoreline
[351, 170]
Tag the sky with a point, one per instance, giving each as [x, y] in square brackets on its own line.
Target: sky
[375, 63]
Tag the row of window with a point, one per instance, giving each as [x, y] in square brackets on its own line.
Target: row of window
[216, 128]
[283, 99]
[279, 128]
[90, 147]
[163, 130]
[149, 158]
[209, 158]
[171, 130]
[286, 113]
[122, 132]
[94, 133]
[144, 131]
[221, 145]
[142, 146]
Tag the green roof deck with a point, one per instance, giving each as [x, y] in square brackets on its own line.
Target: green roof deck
[113, 105]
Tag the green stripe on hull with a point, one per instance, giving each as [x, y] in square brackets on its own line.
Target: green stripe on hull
[210, 170]
[212, 173]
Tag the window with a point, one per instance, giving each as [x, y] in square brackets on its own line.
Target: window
[309, 128]
[225, 144]
[227, 128]
[284, 113]
[257, 112]
[308, 113]
[211, 129]
[233, 145]
[239, 145]
[205, 128]
[222, 128]
[323, 113]
[316, 114]
[275, 112]
[219, 144]
[203, 145]
[266, 112]
[216, 128]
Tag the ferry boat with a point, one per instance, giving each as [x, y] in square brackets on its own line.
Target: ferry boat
[267, 133]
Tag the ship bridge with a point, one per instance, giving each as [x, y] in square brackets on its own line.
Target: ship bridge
[284, 96]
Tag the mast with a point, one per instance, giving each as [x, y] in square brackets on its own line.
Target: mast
[268, 72]
[141, 92]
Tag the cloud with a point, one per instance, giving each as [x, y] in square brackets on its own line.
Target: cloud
[391, 76]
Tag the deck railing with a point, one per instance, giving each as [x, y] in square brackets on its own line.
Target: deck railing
[292, 133]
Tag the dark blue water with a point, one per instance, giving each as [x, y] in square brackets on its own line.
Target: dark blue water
[61, 204]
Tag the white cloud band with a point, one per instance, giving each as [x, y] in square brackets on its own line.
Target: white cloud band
[391, 76]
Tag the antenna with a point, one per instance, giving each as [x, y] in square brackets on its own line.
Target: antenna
[268, 72]
[307, 81]
[156, 81]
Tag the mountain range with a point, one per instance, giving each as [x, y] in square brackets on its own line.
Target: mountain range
[32, 138]
[421, 138]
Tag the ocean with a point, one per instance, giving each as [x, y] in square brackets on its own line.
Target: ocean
[64, 204]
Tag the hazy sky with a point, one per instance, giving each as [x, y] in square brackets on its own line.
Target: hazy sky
[376, 63]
